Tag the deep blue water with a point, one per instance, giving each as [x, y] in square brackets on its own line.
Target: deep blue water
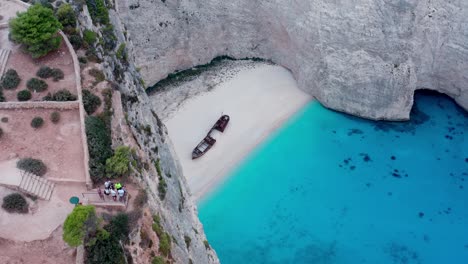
[330, 188]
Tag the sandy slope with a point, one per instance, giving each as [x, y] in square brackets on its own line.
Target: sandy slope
[258, 100]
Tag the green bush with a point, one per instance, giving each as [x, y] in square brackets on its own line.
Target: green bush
[74, 227]
[89, 36]
[1, 132]
[76, 41]
[118, 227]
[162, 188]
[10, 80]
[207, 245]
[4, 119]
[82, 60]
[97, 74]
[165, 244]
[23, 95]
[158, 260]
[44, 72]
[61, 95]
[15, 203]
[91, 102]
[110, 40]
[57, 74]
[37, 122]
[121, 52]
[66, 16]
[55, 117]
[99, 146]
[36, 85]
[33, 166]
[37, 29]
[187, 240]
[2, 98]
[157, 228]
[105, 249]
[98, 11]
[118, 164]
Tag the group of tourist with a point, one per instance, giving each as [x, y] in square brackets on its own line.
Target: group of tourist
[114, 190]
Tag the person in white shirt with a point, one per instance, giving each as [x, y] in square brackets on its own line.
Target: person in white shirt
[114, 194]
[121, 194]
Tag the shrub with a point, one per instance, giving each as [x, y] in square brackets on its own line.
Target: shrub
[33, 166]
[55, 117]
[74, 228]
[97, 74]
[36, 85]
[57, 74]
[44, 72]
[15, 203]
[23, 95]
[207, 245]
[61, 95]
[10, 79]
[91, 102]
[37, 122]
[76, 41]
[158, 260]
[66, 16]
[37, 30]
[162, 188]
[2, 98]
[99, 146]
[165, 244]
[1, 132]
[104, 249]
[121, 52]
[4, 119]
[110, 40]
[82, 59]
[119, 163]
[89, 36]
[187, 240]
[118, 227]
[98, 11]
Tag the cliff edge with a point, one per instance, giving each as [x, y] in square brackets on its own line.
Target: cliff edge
[364, 57]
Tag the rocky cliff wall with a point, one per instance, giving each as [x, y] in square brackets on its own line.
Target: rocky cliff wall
[364, 57]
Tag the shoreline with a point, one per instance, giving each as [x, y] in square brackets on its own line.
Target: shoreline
[219, 179]
[259, 100]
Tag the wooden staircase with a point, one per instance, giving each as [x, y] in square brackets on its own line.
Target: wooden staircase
[4, 54]
[35, 185]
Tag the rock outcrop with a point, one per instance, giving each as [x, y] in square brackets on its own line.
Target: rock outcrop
[363, 57]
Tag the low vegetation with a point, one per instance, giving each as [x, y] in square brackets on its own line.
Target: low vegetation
[47, 72]
[76, 224]
[119, 164]
[98, 11]
[99, 145]
[34, 166]
[37, 29]
[1, 132]
[55, 117]
[91, 102]
[10, 80]
[23, 95]
[37, 122]
[66, 16]
[141, 199]
[15, 203]
[97, 74]
[61, 95]
[158, 260]
[89, 36]
[36, 85]
[2, 98]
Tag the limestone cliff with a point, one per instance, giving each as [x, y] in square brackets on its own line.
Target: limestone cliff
[364, 57]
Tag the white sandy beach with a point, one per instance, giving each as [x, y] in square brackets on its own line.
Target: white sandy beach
[258, 101]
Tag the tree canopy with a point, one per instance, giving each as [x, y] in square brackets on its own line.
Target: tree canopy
[37, 30]
[75, 226]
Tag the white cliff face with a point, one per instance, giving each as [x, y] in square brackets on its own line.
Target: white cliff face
[363, 57]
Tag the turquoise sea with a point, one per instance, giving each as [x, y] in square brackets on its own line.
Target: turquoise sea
[331, 188]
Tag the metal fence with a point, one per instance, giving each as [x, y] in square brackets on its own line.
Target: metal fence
[93, 198]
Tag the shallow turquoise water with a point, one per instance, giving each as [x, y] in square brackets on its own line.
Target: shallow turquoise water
[325, 189]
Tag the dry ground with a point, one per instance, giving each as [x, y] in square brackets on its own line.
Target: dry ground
[59, 146]
[49, 251]
[27, 68]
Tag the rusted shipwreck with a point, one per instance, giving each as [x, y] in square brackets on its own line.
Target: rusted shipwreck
[209, 141]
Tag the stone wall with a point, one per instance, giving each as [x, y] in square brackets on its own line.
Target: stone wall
[364, 57]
